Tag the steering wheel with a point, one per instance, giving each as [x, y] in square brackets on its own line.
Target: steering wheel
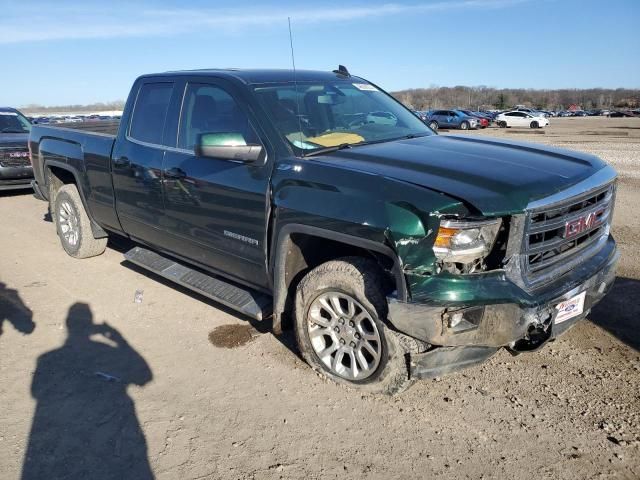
[358, 122]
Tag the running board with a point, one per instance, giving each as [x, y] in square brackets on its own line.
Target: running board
[242, 299]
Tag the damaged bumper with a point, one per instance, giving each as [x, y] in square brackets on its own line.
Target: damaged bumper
[475, 315]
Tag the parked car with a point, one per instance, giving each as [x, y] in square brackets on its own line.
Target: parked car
[532, 111]
[620, 113]
[15, 167]
[521, 119]
[580, 113]
[451, 119]
[483, 122]
[398, 253]
[565, 113]
[424, 116]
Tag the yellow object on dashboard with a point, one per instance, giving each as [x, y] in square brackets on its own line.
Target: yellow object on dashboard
[336, 138]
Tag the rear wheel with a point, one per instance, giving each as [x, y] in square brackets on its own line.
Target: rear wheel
[73, 225]
[534, 124]
[340, 329]
[464, 126]
[433, 125]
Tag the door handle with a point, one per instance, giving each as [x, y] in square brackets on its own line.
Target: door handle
[175, 173]
[121, 162]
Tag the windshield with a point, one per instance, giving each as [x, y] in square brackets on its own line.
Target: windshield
[12, 122]
[336, 113]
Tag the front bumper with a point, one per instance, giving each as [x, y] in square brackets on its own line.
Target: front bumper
[502, 314]
[13, 178]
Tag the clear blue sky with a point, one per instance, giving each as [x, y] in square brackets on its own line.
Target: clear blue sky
[82, 51]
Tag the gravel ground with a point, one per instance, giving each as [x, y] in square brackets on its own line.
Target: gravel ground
[96, 385]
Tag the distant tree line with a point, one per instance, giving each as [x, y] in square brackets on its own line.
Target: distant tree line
[486, 98]
[93, 107]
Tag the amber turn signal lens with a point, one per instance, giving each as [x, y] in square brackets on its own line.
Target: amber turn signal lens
[443, 240]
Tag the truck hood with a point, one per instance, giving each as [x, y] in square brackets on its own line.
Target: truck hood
[14, 139]
[494, 176]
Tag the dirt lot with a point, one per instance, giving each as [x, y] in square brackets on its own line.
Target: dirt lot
[96, 385]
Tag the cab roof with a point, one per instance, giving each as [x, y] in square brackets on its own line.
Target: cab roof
[258, 76]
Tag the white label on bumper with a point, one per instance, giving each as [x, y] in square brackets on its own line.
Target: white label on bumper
[570, 308]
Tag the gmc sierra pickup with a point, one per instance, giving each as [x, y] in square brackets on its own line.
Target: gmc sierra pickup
[15, 168]
[316, 197]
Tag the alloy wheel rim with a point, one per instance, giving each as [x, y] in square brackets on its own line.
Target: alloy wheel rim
[344, 336]
[69, 225]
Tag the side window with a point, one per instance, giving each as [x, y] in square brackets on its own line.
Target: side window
[210, 109]
[150, 112]
[512, 114]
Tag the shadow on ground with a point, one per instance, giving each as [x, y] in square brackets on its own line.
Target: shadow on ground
[619, 311]
[85, 423]
[14, 311]
[18, 192]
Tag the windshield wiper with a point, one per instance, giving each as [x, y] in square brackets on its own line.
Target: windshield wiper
[12, 130]
[411, 135]
[334, 148]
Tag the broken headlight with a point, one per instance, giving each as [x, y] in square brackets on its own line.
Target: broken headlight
[465, 243]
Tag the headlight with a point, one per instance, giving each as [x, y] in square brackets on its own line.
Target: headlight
[465, 241]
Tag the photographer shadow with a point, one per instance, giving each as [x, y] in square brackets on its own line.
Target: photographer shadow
[85, 423]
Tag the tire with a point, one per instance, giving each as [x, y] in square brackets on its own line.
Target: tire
[73, 225]
[534, 125]
[433, 125]
[357, 282]
[502, 124]
[464, 126]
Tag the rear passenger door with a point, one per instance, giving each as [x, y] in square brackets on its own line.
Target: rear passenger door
[216, 209]
[137, 162]
[450, 119]
[440, 117]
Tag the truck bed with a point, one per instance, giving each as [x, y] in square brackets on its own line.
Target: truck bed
[83, 150]
[105, 127]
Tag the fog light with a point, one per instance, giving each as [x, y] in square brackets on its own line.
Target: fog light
[463, 320]
[455, 319]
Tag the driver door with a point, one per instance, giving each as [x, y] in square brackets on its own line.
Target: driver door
[215, 209]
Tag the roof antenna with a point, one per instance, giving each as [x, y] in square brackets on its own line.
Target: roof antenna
[342, 70]
[295, 83]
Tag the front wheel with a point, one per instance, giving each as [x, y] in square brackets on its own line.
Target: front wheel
[73, 225]
[340, 328]
[464, 126]
[502, 124]
[534, 125]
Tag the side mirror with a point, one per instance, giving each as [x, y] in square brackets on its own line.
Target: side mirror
[227, 146]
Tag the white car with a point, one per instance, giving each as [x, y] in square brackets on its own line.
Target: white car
[521, 119]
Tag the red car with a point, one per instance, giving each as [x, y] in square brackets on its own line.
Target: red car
[483, 122]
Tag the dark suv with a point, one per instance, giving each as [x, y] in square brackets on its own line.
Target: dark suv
[15, 167]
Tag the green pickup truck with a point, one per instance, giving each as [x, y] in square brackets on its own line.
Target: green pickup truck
[317, 200]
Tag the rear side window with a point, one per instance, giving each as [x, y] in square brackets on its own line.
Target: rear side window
[150, 112]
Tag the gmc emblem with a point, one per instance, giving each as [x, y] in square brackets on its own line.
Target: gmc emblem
[582, 224]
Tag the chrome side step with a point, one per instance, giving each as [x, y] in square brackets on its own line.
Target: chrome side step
[242, 299]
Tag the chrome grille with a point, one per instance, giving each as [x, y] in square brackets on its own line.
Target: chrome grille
[14, 156]
[557, 234]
